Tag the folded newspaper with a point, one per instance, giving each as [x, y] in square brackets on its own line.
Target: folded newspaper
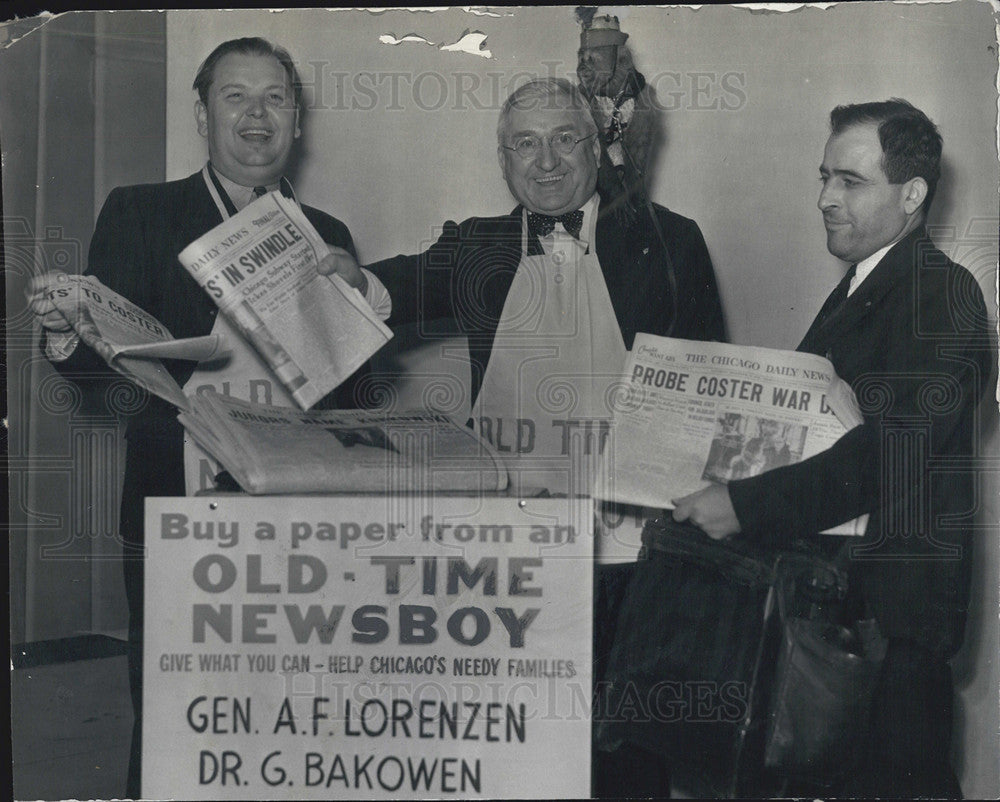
[259, 267]
[129, 339]
[271, 449]
[690, 413]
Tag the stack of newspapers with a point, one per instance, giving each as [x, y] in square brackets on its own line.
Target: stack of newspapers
[281, 450]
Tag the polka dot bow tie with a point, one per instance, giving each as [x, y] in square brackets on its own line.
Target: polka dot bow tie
[542, 225]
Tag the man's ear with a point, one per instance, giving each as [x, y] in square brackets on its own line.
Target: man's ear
[201, 117]
[298, 131]
[914, 194]
[500, 159]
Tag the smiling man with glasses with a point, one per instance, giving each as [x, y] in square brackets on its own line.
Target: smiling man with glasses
[551, 295]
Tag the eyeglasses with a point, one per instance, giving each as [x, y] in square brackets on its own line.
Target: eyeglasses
[563, 143]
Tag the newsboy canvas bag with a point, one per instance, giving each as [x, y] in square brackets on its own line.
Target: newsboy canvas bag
[725, 668]
[687, 665]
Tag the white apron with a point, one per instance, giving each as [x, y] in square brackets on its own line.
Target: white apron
[558, 353]
[241, 374]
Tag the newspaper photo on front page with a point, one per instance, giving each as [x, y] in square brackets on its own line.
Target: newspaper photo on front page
[259, 267]
[689, 413]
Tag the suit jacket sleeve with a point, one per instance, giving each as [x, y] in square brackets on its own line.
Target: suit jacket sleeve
[466, 273]
[421, 285]
[912, 382]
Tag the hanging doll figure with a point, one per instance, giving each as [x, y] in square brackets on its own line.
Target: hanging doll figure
[623, 106]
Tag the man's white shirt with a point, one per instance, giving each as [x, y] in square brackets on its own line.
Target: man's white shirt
[866, 266]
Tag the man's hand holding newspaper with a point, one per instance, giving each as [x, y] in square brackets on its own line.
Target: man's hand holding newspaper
[339, 262]
[71, 308]
[311, 325]
[692, 416]
[42, 304]
[711, 510]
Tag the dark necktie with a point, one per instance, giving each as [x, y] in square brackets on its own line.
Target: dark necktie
[542, 225]
[816, 341]
[839, 294]
[284, 186]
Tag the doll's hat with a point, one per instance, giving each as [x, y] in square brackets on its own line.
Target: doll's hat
[602, 32]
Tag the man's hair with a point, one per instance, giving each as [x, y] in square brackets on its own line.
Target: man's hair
[549, 94]
[247, 46]
[911, 144]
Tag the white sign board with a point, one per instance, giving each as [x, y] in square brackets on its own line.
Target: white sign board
[363, 646]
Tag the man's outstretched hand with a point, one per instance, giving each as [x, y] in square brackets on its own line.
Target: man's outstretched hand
[344, 265]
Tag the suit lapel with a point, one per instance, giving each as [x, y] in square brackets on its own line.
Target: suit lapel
[632, 265]
[490, 255]
[204, 214]
[814, 339]
[196, 215]
[887, 275]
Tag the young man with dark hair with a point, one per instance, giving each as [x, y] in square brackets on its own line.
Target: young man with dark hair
[907, 328]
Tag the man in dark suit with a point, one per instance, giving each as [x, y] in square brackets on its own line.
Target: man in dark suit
[248, 107]
[907, 328]
[550, 296]
[658, 273]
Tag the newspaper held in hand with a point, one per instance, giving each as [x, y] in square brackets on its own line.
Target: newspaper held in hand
[271, 449]
[689, 414]
[259, 267]
[129, 339]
